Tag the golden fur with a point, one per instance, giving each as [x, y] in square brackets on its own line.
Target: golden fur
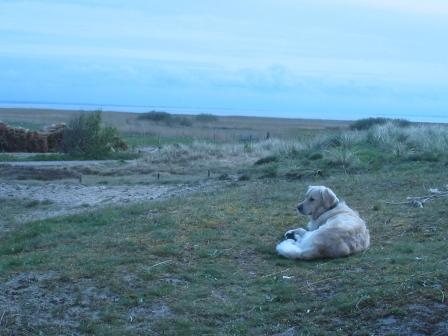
[334, 230]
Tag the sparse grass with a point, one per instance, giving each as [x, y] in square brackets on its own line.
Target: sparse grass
[237, 153]
[35, 157]
[349, 150]
[11, 208]
[205, 264]
[208, 262]
[8, 157]
[225, 129]
[141, 140]
[65, 157]
[370, 149]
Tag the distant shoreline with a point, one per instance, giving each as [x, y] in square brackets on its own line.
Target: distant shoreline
[175, 112]
[221, 112]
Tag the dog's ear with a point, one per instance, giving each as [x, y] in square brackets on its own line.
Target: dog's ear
[329, 198]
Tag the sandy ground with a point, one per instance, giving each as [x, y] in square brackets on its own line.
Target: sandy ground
[56, 190]
[66, 198]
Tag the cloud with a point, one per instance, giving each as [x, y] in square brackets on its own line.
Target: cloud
[259, 50]
[418, 7]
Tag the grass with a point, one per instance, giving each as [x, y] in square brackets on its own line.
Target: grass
[33, 157]
[206, 264]
[224, 129]
[64, 157]
[141, 140]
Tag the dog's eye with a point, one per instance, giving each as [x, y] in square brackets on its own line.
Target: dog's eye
[311, 199]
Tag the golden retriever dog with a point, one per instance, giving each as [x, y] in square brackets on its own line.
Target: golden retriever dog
[334, 230]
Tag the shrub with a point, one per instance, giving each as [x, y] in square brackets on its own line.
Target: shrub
[244, 177]
[156, 116]
[206, 117]
[425, 156]
[367, 123]
[84, 137]
[166, 118]
[266, 159]
[315, 156]
[183, 121]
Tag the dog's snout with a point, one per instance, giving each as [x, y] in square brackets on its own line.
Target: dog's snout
[300, 207]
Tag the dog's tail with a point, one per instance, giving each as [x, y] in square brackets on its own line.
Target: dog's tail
[289, 249]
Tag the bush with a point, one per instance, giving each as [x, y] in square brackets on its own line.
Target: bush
[84, 137]
[183, 121]
[315, 156]
[367, 123]
[206, 117]
[156, 116]
[266, 159]
[166, 118]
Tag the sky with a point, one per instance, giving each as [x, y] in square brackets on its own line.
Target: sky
[330, 59]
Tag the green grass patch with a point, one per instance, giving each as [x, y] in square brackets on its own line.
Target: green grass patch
[206, 264]
[65, 157]
[141, 140]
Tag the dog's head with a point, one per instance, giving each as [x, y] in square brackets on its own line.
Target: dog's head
[318, 199]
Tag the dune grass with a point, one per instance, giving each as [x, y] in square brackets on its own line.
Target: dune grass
[135, 140]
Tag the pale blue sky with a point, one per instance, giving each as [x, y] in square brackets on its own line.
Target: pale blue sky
[293, 58]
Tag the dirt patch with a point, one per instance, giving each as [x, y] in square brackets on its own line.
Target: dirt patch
[74, 187]
[33, 301]
[66, 198]
[140, 317]
[420, 320]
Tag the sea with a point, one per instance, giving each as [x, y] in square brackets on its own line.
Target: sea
[421, 117]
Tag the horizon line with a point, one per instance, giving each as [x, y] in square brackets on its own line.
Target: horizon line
[72, 106]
